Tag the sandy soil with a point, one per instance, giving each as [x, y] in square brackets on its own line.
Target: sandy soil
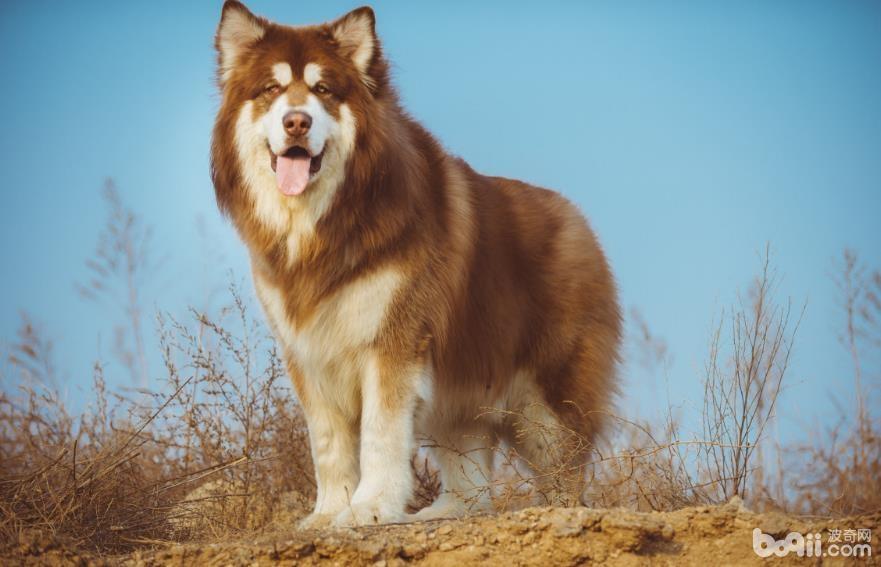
[536, 536]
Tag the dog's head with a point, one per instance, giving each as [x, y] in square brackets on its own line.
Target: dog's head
[293, 100]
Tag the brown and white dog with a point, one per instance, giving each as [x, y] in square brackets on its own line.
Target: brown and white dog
[408, 292]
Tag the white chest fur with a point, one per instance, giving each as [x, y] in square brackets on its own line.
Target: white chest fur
[330, 347]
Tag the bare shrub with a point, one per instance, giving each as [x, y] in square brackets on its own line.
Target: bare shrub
[237, 408]
[219, 451]
[742, 385]
[842, 472]
[119, 269]
[651, 350]
[659, 467]
[427, 485]
[80, 481]
[649, 471]
[639, 470]
[32, 353]
[517, 480]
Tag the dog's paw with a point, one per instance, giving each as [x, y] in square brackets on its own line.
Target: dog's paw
[316, 521]
[448, 506]
[366, 514]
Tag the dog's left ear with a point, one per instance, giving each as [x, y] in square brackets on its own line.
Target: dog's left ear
[355, 35]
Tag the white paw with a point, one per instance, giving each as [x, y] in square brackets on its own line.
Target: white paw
[315, 521]
[438, 512]
[366, 514]
[448, 506]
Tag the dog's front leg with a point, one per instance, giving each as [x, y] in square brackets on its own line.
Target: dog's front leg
[333, 437]
[389, 395]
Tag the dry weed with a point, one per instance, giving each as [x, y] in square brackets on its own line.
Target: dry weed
[219, 452]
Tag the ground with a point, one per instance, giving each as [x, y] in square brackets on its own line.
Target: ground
[721, 535]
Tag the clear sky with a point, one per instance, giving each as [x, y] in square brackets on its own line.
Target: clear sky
[690, 133]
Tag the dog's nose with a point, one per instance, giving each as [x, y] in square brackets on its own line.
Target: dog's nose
[296, 123]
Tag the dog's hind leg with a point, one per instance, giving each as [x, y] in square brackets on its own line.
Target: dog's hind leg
[554, 454]
[465, 460]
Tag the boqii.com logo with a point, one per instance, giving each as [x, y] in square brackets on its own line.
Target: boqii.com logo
[839, 543]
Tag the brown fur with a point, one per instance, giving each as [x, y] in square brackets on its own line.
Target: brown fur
[500, 275]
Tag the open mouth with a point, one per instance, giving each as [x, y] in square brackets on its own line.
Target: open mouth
[294, 168]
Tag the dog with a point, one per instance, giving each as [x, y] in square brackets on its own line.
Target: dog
[412, 297]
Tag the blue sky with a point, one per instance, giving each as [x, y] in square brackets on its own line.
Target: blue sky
[690, 133]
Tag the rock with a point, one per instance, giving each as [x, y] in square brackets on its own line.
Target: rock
[564, 523]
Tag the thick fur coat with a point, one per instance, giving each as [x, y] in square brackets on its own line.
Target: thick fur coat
[414, 299]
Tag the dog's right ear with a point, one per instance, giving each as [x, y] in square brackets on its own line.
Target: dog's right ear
[239, 29]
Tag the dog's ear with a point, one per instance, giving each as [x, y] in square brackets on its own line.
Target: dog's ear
[238, 30]
[355, 35]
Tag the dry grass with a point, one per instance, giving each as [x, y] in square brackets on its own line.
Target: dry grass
[841, 474]
[238, 408]
[119, 269]
[220, 447]
[82, 481]
[218, 453]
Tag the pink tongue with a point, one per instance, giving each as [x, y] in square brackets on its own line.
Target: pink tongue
[292, 174]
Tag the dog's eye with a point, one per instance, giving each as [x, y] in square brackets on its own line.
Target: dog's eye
[272, 89]
[322, 88]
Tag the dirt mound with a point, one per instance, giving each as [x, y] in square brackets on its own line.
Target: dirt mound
[720, 535]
